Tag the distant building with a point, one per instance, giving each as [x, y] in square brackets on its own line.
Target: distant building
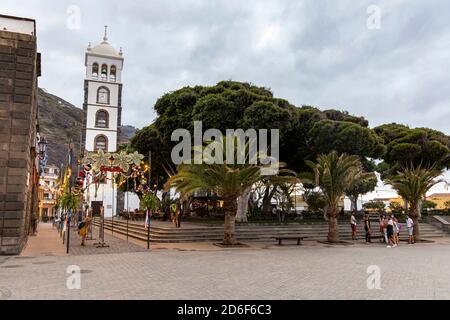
[440, 199]
[48, 188]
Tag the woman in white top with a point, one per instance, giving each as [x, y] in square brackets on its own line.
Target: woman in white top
[410, 225]
[396, 230]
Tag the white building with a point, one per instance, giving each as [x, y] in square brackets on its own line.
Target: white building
[102, 109]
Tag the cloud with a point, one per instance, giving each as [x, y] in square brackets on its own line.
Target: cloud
[316, 52]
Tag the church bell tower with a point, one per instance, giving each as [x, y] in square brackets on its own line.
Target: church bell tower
[102, 112]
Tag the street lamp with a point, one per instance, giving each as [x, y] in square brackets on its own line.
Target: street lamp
[42, 146]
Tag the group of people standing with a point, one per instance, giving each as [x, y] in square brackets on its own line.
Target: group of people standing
[77, 220]
[389, 228]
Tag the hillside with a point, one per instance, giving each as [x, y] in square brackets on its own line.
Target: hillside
[61, 122]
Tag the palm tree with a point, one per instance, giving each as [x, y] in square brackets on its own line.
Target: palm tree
[227, 180]
[412, 184]
[68, 201]
[334, 173]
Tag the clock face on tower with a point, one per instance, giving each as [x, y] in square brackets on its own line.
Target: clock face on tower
[103, 96]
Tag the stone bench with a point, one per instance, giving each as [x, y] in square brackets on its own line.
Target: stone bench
[299, 239]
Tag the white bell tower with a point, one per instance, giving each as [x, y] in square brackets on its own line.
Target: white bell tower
[102, 112]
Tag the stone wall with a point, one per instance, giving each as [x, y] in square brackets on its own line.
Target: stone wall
[19, 69]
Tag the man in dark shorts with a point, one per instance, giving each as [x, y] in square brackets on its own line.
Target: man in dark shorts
[367, 227]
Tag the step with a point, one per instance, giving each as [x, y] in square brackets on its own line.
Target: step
[140, 233]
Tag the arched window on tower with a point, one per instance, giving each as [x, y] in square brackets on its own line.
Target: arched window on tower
[112, 74]
[104, 72]
[103, 95]
[101, 143]
[95, 71]
[102, 119]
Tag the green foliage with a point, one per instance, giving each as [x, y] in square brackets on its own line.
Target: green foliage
[215, 111]
[413, 183]
[232, 105]
[345, 116]
[395, 206]
[447, 204]
[315, 200]
[422, 147]
[68, 201]
[366, 184]
[345, 137]
[374, 205]
[150, 139]
[335, 173]
[150, 201]
[428, 204]
[227, 180]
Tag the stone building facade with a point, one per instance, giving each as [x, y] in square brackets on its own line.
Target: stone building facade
[19, 173]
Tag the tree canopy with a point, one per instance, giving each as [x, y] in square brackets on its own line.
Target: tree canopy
[305, 132]
[417, 147]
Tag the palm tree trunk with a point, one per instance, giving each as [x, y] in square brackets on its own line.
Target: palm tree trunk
[267, 199]
[416, 230]
[333, 231]
[242, 207]
[230, 206]
[354, 201]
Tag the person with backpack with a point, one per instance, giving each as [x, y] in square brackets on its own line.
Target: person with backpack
[83, 228]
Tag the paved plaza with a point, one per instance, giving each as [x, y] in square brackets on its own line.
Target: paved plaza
[261, 271]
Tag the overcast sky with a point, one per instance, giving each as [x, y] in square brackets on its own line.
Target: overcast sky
[315, 52]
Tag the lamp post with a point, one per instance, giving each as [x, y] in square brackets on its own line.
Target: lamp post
[42, 153]
[42, 146]
[111, 160]
[69, 215]
[150, 188]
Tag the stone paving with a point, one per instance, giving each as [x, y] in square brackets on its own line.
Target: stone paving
[113, 245]
[312, 271]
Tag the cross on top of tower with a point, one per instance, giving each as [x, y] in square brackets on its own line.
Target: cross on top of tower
[105, 37]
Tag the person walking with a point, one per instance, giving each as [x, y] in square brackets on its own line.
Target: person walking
[367, 227]
[353, 225]
[381, 223]
[384, 225]
[83, 228]
[390, 233]
[410, 225]
[178, 217]
[58, 223]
